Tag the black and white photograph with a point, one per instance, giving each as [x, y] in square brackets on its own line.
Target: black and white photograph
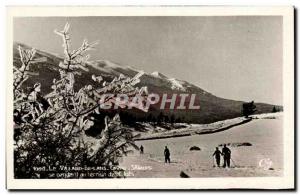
[182, 95]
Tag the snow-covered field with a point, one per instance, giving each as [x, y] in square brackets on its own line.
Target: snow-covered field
[263, 158]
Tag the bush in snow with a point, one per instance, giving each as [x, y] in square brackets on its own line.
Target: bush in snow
[248, 109]
[50, 130]
[195, 148]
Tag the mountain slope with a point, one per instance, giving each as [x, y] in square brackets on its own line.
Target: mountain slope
[212, 108]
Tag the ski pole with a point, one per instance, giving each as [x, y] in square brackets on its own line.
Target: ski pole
[233, 162]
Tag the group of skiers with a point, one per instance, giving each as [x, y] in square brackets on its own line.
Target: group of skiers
[226, 153]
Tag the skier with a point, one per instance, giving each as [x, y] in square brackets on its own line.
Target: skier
[217, 155]
[227, 156]
[167, 155]
[142, 149]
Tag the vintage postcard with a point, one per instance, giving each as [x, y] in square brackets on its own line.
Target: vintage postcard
[150, 97]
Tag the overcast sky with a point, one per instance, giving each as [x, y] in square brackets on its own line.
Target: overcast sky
[232, 57]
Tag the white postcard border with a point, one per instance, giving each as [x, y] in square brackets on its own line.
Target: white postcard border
[284, 182]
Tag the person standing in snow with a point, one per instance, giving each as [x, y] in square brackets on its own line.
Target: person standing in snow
[167, 155]
[227, 156]
[217, 155]
[142, 149]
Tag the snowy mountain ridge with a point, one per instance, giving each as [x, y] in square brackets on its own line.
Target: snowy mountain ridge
[176, 84]
[116, 69]
[212, 108]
